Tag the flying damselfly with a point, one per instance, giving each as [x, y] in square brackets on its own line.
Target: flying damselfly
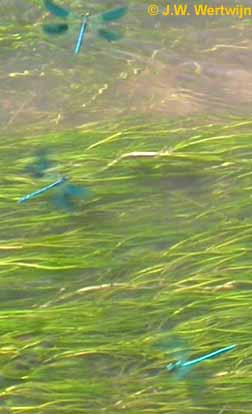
[62, 192]
[97, 23]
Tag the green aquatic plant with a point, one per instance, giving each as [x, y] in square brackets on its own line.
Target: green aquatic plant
[162, 249]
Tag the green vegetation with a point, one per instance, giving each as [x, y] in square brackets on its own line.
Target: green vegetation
[91, 301]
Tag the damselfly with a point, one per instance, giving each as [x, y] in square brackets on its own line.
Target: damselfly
[41, 164]
[96, 23]
[181, 365]
[62, 193]
[41, 191]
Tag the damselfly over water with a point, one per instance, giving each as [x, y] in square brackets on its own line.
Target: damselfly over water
[63, 194]
[95, 23]
[184, 365]
[41, 191]
[41, 164]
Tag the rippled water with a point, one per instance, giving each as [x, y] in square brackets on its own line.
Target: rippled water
[157, 127]
[163, 66]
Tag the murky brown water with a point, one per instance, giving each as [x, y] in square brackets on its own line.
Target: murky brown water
[163, 66]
